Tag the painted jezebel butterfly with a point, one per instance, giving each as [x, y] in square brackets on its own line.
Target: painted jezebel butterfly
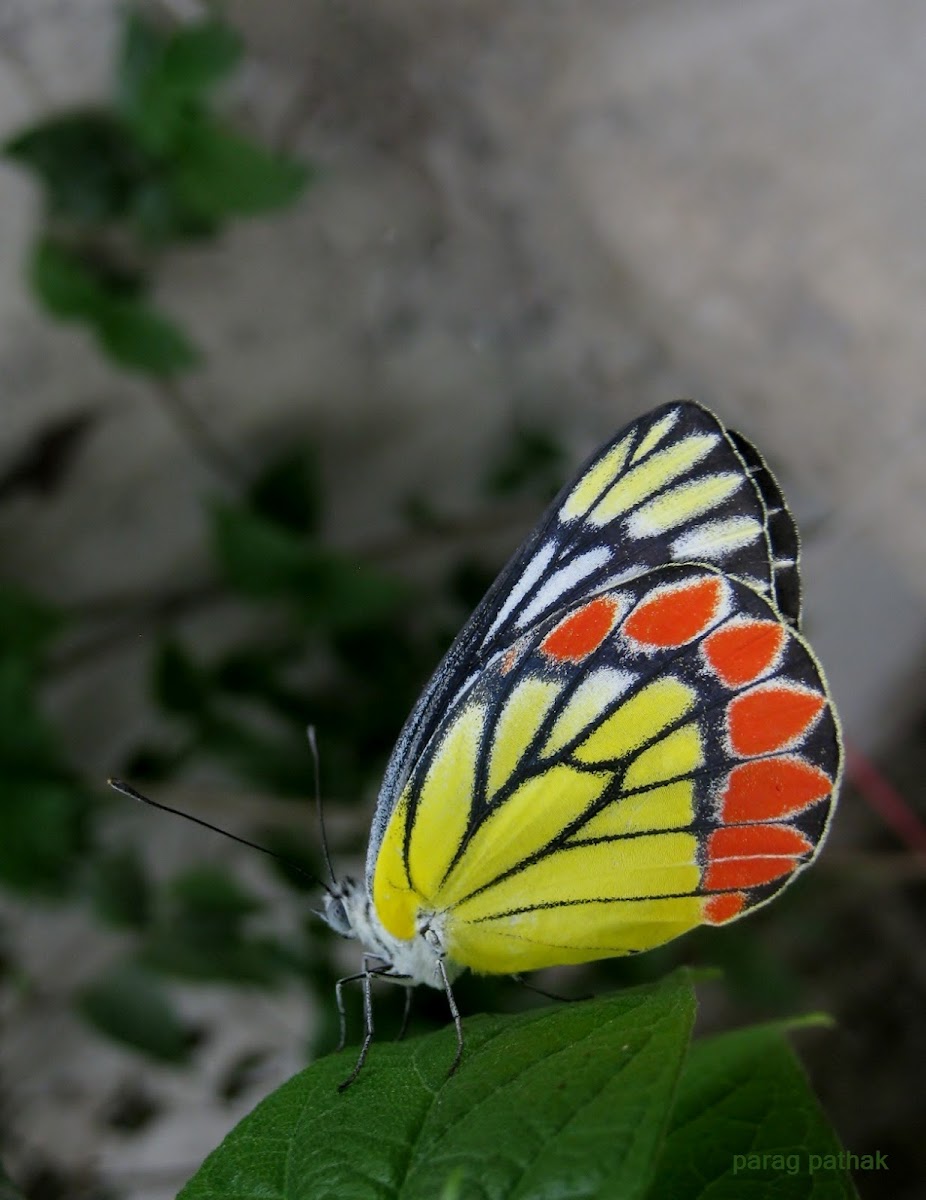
[628, 738]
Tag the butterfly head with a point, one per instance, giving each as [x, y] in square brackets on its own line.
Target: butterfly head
[349, 911]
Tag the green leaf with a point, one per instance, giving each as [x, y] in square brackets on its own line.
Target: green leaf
[27, 742]
[26, 624]
[163, 75]
[297, 860]
[262, 559]
[288, 492]
[200, 934]
[744, 1094]
[43, 833]
[130, 1005]
[137, 336]
[119, 888]
[210, 892]
[533, 464]
[229, 958]
[282, 765]
[217, 173]
[258, 557]
[198, 57]
[143, 44]
[570, 1102]
[66, 285]
[179, 684]
[130, 330]
[87, 161]
[8, 1189]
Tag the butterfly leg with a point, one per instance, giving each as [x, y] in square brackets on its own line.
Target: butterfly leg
[339, 1001]
[403, 1029]
[435, 943]
[366, 977]
[531, 987]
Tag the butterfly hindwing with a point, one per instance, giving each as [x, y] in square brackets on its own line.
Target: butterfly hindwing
[657, 755]
[674, 486]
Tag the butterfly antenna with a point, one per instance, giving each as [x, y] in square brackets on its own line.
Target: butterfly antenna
[126, 789]
[313, 747]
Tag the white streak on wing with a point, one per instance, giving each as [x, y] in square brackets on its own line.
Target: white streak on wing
[588, 702]
[716, 539]
[562, 581]
[529, 576]
[614, 581]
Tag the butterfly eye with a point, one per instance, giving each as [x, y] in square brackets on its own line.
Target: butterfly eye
[335, 915]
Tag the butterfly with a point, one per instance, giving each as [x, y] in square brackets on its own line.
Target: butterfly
[629, 737]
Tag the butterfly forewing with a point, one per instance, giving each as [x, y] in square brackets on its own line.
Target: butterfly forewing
[674, 486]
[659, 754]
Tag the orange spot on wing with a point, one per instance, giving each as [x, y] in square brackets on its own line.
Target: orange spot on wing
[723, 908]
[510, 660]
[581, 632]
[772, 787]
[745, 856]
[740, 653]
[675, 616]
[770, 716]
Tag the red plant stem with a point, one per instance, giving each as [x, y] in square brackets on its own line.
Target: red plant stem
[884, 799]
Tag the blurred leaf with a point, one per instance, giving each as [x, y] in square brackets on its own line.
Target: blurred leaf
[298, 862]
[43, 833]
[231, 958]
[217, 173]
[26, 623]
[262, 559]
[533, 463]
[288, 492]
[569, 1101]
[340, 593]
[87, 162]
[144, 41]
[8, 1189]
[66, 285]
[280, 764]
[27, 741]
[131, 332]
[210, 893]
[179, 684]
[119, 888]
[138, 336]
[200, 933]
[745, 1094]
[130, 1005]
[158, 216]
[258, 557]
[165, 74]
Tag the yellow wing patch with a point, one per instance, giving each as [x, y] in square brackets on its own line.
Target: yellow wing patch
[678, 505]
[550, 937]
[651, 476]
[521, 717]
[523, 825]
[640, 719]
[593, 482]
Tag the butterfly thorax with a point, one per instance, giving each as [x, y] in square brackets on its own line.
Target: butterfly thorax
[350, 912]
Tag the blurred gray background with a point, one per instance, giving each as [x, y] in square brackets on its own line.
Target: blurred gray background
[537, 211]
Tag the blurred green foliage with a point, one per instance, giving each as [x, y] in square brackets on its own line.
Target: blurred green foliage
[154, 168]
[44, 807]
